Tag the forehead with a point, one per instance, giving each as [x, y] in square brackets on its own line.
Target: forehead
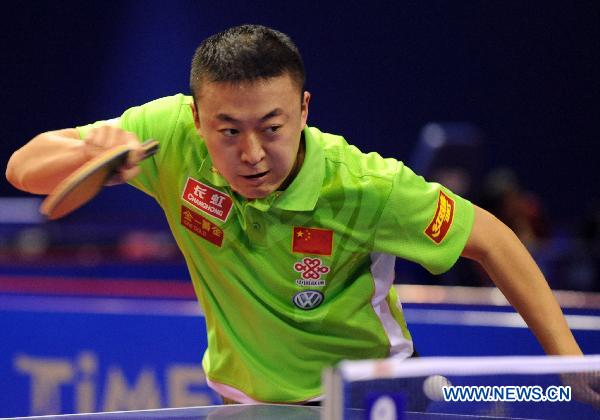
[257, 96]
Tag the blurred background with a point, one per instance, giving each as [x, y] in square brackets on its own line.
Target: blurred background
[498, 100]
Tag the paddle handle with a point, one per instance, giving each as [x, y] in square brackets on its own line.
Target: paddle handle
[149, 147]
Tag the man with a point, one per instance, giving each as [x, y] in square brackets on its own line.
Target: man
[289, 233]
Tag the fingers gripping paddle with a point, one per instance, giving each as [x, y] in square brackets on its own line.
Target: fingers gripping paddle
[87, 181]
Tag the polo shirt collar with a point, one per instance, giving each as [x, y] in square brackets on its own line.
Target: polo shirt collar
[301, 195]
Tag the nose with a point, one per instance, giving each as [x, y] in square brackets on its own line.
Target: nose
[252, 150]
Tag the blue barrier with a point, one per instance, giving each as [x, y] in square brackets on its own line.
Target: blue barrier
[84, 354]
[64, 355]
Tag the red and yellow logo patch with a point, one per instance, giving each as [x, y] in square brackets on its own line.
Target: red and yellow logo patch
[206, 199]
[201, 226]
[442, 220]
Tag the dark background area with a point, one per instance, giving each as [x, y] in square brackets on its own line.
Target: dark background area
[526, 73]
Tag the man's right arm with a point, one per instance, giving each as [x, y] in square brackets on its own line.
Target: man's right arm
[45, 160]
[48, 158]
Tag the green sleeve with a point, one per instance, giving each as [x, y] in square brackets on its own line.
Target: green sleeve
[424, 222]
[155, 120]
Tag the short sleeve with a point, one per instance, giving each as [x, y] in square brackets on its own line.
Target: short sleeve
[154, 120]
[423, 222]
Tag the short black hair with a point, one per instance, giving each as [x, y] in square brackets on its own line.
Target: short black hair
[246, 53]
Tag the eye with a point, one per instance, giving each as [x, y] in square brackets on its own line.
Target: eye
[229, 132]
[273, 129]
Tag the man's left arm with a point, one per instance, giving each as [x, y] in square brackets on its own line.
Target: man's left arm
[515, 273]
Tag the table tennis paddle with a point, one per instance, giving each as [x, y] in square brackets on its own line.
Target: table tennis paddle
[87, 181]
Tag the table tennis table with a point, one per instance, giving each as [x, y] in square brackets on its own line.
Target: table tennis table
[245, 412]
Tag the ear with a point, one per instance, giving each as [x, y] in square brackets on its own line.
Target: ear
[195, 114]
[304, 108]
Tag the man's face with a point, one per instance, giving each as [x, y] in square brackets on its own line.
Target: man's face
[252, 131]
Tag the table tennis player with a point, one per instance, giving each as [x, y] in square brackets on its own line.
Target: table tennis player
[290, 234]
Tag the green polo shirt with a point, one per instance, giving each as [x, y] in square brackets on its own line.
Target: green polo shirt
[301, 279]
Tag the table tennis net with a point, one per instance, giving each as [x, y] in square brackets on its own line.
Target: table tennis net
[538, 387]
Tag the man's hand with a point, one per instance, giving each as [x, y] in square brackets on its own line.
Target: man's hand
[585, 386]
[106, 137]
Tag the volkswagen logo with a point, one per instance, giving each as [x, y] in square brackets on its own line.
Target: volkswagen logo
[309, 299]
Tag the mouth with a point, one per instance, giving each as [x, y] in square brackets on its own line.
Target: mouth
[255, 176]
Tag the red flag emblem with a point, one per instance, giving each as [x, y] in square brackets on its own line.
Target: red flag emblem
[312, 241]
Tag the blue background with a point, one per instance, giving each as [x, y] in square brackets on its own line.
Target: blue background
[525, 72]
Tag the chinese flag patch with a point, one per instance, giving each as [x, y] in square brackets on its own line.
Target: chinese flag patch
[201, 226]
[442, 220]
[312, 241]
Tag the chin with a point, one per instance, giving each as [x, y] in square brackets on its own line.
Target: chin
[254, 193]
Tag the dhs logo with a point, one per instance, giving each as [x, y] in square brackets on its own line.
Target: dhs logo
[308, 299]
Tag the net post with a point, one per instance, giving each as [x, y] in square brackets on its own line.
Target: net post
[333, 388]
